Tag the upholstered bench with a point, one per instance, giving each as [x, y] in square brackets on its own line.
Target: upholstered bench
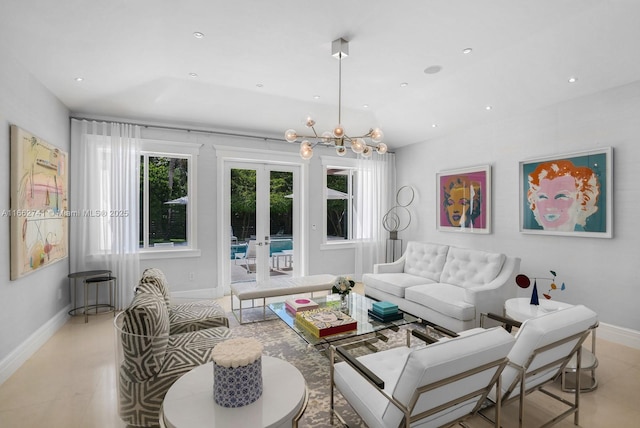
[278, 287]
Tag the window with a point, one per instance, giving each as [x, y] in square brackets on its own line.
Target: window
[167, 201]
[339, 207]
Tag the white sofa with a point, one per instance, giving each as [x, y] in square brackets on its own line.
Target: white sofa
[445, 285]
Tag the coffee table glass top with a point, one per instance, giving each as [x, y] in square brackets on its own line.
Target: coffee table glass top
[358, 306]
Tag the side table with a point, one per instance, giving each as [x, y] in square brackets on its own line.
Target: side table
[189, 402]
[521, 310]
[85, 275]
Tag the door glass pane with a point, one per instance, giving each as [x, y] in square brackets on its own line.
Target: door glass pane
[281, 222]
[243, 224]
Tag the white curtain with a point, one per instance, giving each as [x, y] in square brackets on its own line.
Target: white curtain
[105, 201]
[373, 196]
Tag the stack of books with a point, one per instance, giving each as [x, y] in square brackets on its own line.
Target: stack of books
[323, 322]
[385, 312]
[299, 304]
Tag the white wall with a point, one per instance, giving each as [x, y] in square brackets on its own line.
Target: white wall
[599, 273]
[28, 304]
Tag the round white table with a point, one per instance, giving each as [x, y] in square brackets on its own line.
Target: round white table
[520, 309]
[189, 402]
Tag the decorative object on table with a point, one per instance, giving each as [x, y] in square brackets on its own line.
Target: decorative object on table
[338, 138]
[324, 322]
[397, 219]
[343, 286]
[300, 304]
[568, 195]
[464, 200]
[523, 281]
[384, 312]
[39, 203]
[237, 372]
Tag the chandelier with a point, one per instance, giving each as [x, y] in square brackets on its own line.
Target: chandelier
[338, 138]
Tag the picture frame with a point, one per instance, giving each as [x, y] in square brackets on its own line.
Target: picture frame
[39, 203]
[568, 195]
[468, 208]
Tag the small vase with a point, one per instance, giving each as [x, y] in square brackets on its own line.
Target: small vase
[344, 302]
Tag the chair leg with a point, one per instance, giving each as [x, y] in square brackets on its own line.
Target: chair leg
[86, 302]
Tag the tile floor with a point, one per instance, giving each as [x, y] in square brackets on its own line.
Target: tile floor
[70, 383]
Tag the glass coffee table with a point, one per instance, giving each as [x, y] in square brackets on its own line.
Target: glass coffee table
[358, 306]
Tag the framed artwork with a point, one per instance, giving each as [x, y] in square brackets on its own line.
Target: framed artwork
[464, 200]
[568, 195]
[39, 203]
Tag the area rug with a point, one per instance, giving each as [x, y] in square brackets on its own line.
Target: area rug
[282, 342]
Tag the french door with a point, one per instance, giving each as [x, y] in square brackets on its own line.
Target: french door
[263, 220]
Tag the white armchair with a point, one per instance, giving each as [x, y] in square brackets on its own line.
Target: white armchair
[544, 346]
[423, 386]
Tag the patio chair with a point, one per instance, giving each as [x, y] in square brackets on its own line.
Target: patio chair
[428, 386]
[249, 256]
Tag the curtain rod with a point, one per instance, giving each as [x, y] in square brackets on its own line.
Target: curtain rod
[176, 128]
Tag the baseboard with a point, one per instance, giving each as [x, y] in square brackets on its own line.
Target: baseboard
[203, 293]
[620, 335]
[26, 349]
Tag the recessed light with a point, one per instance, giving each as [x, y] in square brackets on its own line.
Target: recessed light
[259, 85]
[433, 69]
[467, 50]
[198, 35]
[365, 105]
[79, 79]
[434, 125]
[316, 97]
[573, 79]
[193, 74]
[488, 107]
[404, 84]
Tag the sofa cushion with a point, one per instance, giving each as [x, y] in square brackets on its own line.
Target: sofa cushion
[471, 268]
[145, 336]
[446, 299]
[393, 283]
[198, 315]
[425, 260]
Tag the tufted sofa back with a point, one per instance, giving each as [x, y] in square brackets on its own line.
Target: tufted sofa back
[471, 268]
[425, 259]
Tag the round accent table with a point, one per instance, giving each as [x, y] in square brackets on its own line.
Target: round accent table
[189, 402]
[86, 275]
[520, 309]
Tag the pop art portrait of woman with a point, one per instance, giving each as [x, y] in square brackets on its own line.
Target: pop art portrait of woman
[567, 196]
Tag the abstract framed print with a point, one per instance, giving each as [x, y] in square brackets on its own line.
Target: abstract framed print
[39, 201]
[464, 200]
[569, 195]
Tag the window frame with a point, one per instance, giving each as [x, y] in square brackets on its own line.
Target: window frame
[329, 162]
[182, 150]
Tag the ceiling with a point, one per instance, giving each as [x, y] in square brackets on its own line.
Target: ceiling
[261, 63]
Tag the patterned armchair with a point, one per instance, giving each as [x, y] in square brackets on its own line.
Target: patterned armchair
[183, 317]
[150, 359]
